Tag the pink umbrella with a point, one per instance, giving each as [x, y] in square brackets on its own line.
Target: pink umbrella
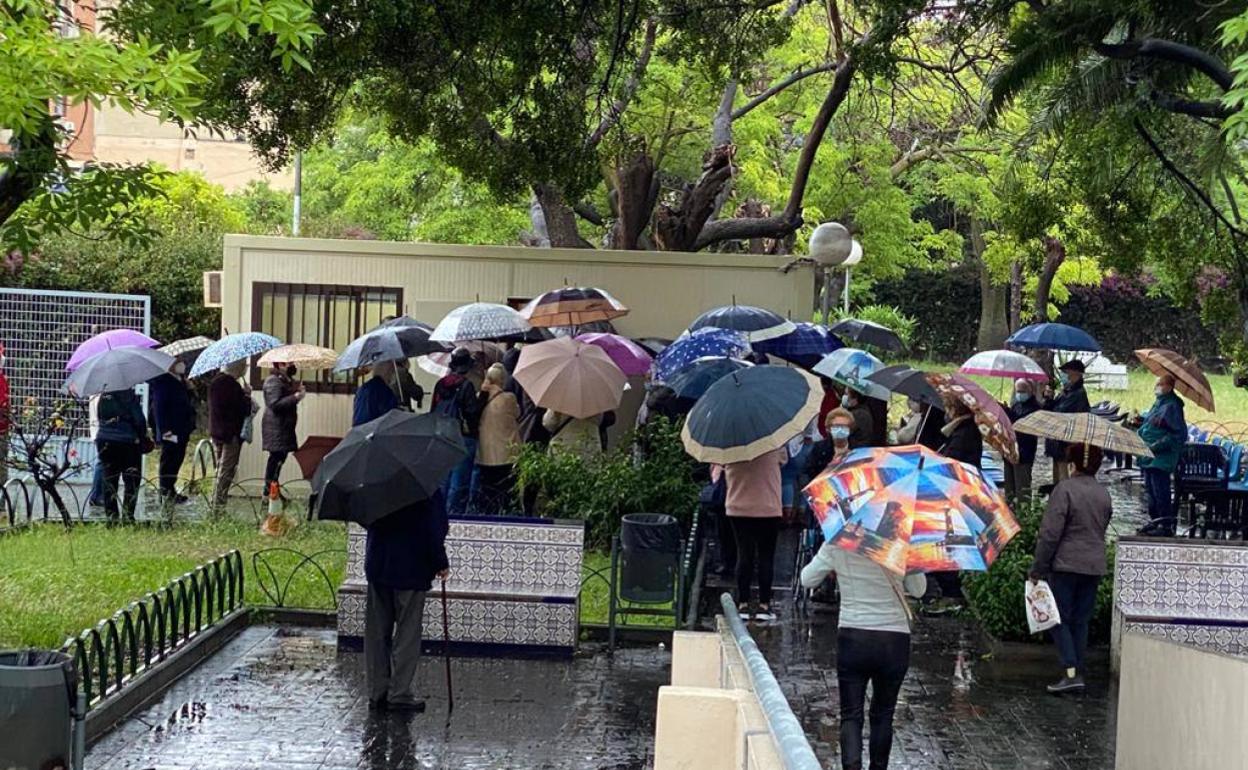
[632, 358]
[106, 341]
[1003, 363]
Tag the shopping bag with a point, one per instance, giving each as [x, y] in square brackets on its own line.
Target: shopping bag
[1041, 606]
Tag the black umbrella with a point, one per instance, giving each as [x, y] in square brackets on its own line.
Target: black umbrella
[386, 465]
[116, 369]
[653, 345]
[389, 342]
[907, 381]
[868, 333]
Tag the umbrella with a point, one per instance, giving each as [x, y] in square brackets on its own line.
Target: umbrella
[750, 413]
[1053, 336]
[756, 323]
[188, 349]
[301, 355]
[232, 348]
[1188, 378]
[699, 344]
[117, 369]
[439, 364]
[694, 380]
[388, 343]
[479, 321]
[868, 333]
[570, 377]
[805, 346]
[653, 345]
[994, 424]
[853, 367]
[1003, 363]
[909, 382]
[313, 451]
[109, 340]
[632, 358]
[908, 508]
[386, 465]
[572, 306]
[1083, 428]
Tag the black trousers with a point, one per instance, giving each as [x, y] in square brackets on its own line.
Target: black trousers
[273, 468]
[172, 453]
[756, 552]
[882, 659]
[121, 464]
[494, 488]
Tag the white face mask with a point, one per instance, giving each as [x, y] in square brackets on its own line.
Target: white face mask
[3, 360]
[1159, 391]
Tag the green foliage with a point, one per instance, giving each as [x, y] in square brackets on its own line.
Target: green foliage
[602, 490]
[996, 596]
[1234, 35]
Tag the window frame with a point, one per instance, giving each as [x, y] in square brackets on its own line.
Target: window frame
[325, 293]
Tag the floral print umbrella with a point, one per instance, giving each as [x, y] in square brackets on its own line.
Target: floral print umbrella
[994, 425]
[908, 508]
[231, 348]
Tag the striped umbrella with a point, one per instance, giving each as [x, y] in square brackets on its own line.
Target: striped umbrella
[756, 323]
[232, 348]
[573, 306]
[751, 412]
[479, 321]
[1003, 363]
[994, 424]
[1188, 378]
[1083, 428]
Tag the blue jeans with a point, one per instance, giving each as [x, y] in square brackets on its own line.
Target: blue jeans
[1160, 498]
[1075, 595]
[96, 496]
[459, 486]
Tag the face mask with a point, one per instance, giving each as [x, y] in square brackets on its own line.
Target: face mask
[179, 368]
[915, 406]
[1022, 398]
[1159, 391]
[292, 370]
[847, 402]
[1063, 378]
[839, 433]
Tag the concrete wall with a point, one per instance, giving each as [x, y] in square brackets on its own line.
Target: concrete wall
[664, 291]
[1179, 706]
[709, 717]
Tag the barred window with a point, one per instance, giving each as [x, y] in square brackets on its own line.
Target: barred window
[318, 314]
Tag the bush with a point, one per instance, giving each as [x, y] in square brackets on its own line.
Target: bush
[601, 490]
[996, 596]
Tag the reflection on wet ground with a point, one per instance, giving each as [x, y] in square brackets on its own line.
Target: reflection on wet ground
[285, 700]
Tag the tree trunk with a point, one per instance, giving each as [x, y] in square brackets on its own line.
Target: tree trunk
[993, 327]
[559, 217]
[1016, 295]
[677, 229]
[1054, 256]
[634, 200]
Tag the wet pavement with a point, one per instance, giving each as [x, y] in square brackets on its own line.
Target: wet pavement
[286, 700]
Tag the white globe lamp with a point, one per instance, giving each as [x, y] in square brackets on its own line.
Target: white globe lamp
[830, 244]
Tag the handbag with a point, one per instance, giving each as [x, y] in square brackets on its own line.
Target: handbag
[146, 444]
[1042, 611]
[248, 432]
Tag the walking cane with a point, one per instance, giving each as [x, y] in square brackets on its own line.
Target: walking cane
[446, 653]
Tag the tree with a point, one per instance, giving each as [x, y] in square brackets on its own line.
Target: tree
[41, 441]
[40, 190]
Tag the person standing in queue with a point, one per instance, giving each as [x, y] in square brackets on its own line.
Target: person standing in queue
[229, 406]
[1018, 475]
[375, 398]
[282, 395]
[499, 443]
[963, 441]
[455, 396]
[752, 503]
[121, 443]
[1071, 399]
[1164, 429]
[173, 418]
[864, 433]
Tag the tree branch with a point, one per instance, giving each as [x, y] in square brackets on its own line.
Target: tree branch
[1172, 103]
[781, 85]
[629, 90]
[917, 156]
[1168, 50]
[586, 210]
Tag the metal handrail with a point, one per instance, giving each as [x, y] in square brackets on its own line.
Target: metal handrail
[791, 742]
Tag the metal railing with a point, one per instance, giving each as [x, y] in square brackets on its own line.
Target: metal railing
[791, 742]
[118, 649]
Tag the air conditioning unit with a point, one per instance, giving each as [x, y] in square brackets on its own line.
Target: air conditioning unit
[213, 288]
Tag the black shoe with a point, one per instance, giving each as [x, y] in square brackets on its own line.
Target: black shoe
[407, 706]
[1067, 684]
[377, 705]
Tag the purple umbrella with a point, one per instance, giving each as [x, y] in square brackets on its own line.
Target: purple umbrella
[106, 341]
[632, 358]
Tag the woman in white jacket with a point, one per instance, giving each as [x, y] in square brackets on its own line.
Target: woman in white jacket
[872, 645]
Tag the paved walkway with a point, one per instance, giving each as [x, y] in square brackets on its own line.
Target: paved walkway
[285, 700]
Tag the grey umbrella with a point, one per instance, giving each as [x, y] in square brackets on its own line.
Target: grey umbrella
[118, 369]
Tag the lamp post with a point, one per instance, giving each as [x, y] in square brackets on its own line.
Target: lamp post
[855, 256]
[830, 246]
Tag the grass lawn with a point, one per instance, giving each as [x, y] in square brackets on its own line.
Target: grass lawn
[1232, 402]
[54, 583]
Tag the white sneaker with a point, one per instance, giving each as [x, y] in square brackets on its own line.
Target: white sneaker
[743, 612]
[765, 616]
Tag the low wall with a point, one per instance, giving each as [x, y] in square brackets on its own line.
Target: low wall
[1180, 707]
[713, 715]
[1189, 591]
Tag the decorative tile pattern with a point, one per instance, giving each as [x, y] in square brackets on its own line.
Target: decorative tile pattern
[1230, 640]
[1167, 580]
[503, 576]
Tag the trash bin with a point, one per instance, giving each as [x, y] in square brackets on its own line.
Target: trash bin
[38, 690]
[649, 557]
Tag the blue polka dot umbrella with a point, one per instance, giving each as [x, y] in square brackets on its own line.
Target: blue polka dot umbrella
[232, 348]
[756, 323]
[805, 346]
[749, 413]
[702, 343]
